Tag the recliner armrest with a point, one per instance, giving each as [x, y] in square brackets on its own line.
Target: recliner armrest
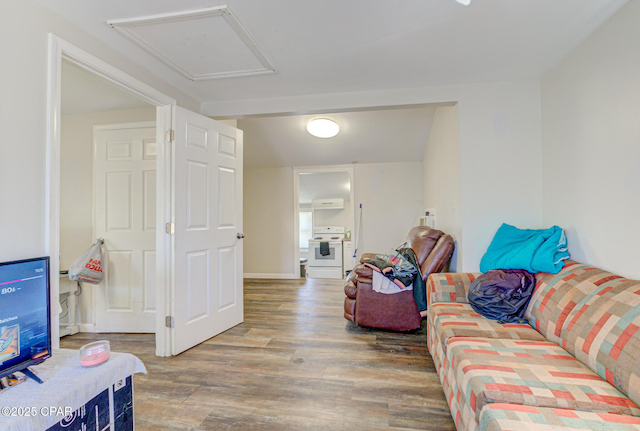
[360, 274]
[449, 287]
[351, 285]
[363, 272]
[367, 256]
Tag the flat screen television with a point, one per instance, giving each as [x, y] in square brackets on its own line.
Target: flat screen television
[25, 323]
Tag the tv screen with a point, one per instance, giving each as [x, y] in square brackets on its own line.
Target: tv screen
[25, 325]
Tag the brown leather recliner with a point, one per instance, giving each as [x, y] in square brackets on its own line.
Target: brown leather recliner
[397, 312]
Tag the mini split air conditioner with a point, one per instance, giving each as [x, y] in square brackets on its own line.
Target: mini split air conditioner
[327, 204]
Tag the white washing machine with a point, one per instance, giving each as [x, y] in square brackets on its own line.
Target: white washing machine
[328, 264]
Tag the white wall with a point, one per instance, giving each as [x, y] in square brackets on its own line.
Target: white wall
[23, 90]
[231, 122]
[268, 221]
[391, 194]
[334, 217]
[500, 147]
[391, 198]
[500, 162]
[331, 217]
[441, 177]
[76, 187]
[591, 146]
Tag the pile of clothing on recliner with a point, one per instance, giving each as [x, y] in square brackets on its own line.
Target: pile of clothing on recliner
[399, 271]
[399, 267]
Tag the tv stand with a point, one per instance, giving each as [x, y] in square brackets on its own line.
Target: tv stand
[27, 372]
[83, 398]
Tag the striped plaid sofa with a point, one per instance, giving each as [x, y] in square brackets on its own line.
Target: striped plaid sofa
[575, 366]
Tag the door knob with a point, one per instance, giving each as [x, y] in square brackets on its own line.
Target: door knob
[240, 235]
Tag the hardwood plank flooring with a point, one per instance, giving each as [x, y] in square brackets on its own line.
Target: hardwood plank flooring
[294, 364]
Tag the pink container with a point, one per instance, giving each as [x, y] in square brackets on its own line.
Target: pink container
[94, 354]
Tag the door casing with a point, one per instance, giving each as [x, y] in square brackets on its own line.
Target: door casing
[58, 50]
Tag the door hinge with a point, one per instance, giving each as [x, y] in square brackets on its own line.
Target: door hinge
[171, 135]
[170, 228]
[168, 321]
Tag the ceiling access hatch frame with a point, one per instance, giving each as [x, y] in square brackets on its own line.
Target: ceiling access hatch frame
[127, 28]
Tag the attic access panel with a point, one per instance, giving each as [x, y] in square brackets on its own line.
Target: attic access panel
[200, 44]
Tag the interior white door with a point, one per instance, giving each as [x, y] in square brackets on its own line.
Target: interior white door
[125, 216]
[207, 243]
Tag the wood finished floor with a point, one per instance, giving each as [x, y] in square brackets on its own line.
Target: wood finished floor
[294, 364]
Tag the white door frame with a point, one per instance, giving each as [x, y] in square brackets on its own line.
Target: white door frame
[350, 169]
[60, 49]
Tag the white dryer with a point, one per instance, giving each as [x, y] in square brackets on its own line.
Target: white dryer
[325, 261]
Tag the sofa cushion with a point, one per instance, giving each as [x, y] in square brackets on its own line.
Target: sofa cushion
[603, 331]
[533, 373]
[454, 408]
[435, 349]
[451, 391]
[556, 295]
[502, 417]
[460, 320]
[449, 287]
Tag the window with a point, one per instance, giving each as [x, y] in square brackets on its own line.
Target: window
[306, 228]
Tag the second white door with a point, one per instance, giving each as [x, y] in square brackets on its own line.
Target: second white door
[207, 244]
[125, 216]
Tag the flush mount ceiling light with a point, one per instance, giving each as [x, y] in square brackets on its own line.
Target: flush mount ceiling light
[323, 128]
[464, 2]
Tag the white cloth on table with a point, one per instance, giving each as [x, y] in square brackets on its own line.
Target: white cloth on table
[382, 284]
[66, 384]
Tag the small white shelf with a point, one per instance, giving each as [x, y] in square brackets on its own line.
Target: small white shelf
[68, 292]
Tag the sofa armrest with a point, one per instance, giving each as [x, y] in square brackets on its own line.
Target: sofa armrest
[449, 287]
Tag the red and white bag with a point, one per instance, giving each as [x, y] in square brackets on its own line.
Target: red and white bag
[88, 267]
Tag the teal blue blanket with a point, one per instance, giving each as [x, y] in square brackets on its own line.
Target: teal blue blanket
[536, 250]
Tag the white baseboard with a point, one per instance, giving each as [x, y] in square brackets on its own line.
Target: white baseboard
[87, 327]
[269, 276]
[325, 272]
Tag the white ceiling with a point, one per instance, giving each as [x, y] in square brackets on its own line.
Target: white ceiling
[392, 135]
[324, 185]
[334, 46]
[203, 44]
[84, 92]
